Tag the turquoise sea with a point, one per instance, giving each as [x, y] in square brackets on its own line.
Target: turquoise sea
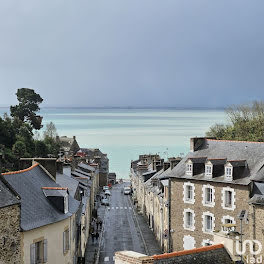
[125, 133]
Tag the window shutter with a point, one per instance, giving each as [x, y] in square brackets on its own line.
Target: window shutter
[32, 253]
[64, 241]
[45, 250]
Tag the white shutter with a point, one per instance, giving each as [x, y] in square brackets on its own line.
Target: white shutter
[32, 254]
[45, 250]
[64, 242]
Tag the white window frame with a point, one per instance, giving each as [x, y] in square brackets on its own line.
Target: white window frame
[228, 217]
[66, 204]
[208, 174]
[204, 195]
[185, 225]
[207, 241]
[185, 199]
[66, 241]
[233, 205]
[229, 176]
[204, 223]
[189, 168]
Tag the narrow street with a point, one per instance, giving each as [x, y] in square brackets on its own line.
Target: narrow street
[123, 229]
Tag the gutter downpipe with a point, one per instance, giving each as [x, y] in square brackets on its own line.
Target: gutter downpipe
[254, 226]
[169, 216]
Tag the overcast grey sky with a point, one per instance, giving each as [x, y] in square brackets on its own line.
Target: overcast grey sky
[133, 52]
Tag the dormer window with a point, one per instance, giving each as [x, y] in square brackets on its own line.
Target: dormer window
[66, 204]
[189, 169]
[228, 173]
[208, 170]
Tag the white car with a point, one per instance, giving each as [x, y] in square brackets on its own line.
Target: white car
[105, 188]
[127, 190]
[107, 192]
[105, 201]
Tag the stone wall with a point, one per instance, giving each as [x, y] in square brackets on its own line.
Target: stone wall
[178, 206]
[10, 236]
[217, 256]
[256, 226]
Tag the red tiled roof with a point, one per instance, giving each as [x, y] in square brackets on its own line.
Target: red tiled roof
[235, 141]
[54, 188]
[187, 252]
[20, 171]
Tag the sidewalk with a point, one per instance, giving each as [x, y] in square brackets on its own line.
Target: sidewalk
[151, 242]
[92, 246]
[149, 237]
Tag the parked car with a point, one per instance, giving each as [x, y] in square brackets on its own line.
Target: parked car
[105, 188]
[127, 190]
[107, 192]
[105, 201]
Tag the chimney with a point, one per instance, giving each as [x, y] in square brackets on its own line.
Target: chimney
[197, 142]
[59, 165]
[174, 162]
[48, 163]
[166, 165]
[74, 163]
[159, 167]
[74, 138]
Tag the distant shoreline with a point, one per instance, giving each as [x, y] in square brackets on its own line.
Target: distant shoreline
[128, 108]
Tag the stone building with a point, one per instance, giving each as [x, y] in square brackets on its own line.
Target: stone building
[210, 187]
[96, 157]
[68, 146]
[10, 237]
[50, 216]
[151, 193]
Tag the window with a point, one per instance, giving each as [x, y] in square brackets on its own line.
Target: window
[66, 241]
[66, 204]
[208, 222]
[208, 195]
[207, 242]
[188, 192]
[189, 169]
[227, 219]
[228, 198]
[208, 170]
[228, 173]
[38, 252]
[188, 219]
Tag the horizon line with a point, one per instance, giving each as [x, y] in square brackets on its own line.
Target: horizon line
[132, 107]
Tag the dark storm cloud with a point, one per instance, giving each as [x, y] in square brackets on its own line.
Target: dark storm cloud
[133, 53]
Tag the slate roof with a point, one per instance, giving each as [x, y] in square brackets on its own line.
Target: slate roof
[7, 195]
[252, 152]
[66, 181]
[36, 210]
[83, 172]
[86, 167]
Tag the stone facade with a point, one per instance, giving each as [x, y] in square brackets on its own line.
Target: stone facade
[256, 225]
[199, 236]
[10, 236]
